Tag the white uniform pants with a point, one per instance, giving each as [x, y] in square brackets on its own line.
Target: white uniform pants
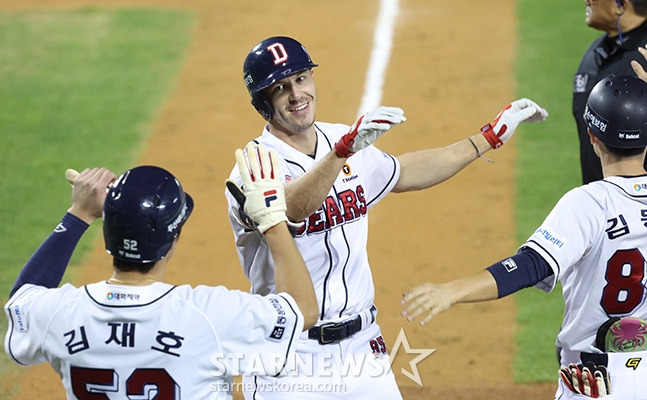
[348, 369]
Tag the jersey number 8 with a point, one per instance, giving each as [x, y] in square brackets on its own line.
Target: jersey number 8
[625, 289]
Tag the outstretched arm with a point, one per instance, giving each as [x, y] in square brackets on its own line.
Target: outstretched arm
[426, 168]
[305, 194]
[48, 263]
[524, 269]
[433, 298]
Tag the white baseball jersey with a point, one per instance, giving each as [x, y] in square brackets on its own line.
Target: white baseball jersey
[116, 342]
[595, 240]
[333, 240]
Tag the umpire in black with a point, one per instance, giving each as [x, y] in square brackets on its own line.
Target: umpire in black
[625, 25]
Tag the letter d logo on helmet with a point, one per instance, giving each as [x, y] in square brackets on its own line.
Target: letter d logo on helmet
[270, 61]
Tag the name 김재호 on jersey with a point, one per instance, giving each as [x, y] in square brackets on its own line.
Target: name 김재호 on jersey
[349, 205]
[122, 334]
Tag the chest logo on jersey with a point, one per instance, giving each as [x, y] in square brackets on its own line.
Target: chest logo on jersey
[348, 206]
[349, 175]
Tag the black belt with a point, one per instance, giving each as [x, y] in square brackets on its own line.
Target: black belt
[333, 332]
[597, 359]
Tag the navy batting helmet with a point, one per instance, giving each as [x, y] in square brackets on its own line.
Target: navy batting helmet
[270, 61]
[616, 112]
[143, 214]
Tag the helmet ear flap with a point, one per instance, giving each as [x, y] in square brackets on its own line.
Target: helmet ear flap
[263, 106]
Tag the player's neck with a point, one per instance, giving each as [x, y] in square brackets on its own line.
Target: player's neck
[631, 166]
[305, 142]
[135, 278]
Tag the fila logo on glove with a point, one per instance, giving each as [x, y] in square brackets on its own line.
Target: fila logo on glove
[270, 196]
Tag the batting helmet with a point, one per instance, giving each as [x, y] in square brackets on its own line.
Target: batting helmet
[143, 214]
[270, 61]
[616, 112]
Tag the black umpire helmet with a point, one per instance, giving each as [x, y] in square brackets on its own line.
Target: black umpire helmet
[143, 213]
[270, 61]
[616, 112]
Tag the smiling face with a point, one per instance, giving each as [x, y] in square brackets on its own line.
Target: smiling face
[294, 100]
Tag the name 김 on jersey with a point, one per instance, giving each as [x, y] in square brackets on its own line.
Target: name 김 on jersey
[551, 238]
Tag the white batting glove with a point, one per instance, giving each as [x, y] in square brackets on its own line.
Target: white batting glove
[367, 129]
[589, 380]
[504, 125]
[263, 199]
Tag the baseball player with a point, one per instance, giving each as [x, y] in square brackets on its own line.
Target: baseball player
[333, 175]
[594, 241]
[134, 336]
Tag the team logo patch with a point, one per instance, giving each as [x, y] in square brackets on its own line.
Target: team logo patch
[277, 333]
[633, 362]
[579, 84]
[279, 53]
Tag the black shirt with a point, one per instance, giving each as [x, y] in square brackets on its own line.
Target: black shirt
[606, 56]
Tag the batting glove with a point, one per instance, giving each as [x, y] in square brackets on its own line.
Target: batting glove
[504, 125]
[367, 129]
[589, 379]
[263, 199]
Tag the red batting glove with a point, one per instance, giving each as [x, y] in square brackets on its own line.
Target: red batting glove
[507, 121]
[367, 129]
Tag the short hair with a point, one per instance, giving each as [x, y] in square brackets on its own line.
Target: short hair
[617, 151]
[128, 266]
[640, 7]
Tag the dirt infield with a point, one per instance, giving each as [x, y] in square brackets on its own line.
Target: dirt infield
[451, 73]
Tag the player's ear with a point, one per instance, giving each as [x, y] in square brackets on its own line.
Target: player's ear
[592, 138]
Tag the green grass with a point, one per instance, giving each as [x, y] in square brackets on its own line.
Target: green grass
[552, 36]
[79, 89]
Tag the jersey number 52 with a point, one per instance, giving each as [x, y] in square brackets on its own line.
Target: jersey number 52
[94, 383]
